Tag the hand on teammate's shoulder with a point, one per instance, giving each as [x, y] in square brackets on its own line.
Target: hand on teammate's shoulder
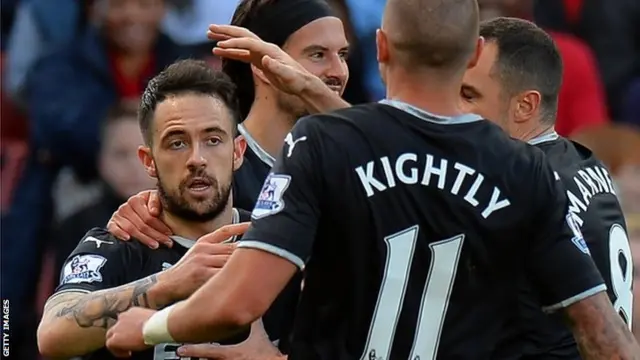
[138, 219]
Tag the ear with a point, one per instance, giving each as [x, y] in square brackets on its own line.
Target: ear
[528, 106]
[239, 146]
[476, 54]
[260, 75]
[382, 46]
[144, 154]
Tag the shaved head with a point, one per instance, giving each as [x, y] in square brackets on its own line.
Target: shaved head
[437, 34]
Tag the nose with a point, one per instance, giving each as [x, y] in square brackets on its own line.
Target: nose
[338, 69]
[196, 158]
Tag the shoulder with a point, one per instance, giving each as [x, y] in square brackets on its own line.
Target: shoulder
[99, 242]
[99, 260]
[337, 118]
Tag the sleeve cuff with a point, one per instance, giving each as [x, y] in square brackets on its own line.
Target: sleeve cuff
[574, 299]
[272, 249]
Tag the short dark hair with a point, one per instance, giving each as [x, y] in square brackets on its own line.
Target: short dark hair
[239, 72]
[528, 59]
[185, 77]
[437, 34]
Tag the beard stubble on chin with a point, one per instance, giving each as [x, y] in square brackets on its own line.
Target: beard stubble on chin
[176, 203]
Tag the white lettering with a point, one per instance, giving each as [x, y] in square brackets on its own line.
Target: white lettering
[463, 171]
[367, 179]
[402, 176]
[405, 170]
[495, 204]
[440, 172]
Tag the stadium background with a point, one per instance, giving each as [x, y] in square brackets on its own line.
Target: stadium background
[58, 85]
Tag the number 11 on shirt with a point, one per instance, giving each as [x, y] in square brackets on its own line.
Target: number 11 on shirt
[445, 255]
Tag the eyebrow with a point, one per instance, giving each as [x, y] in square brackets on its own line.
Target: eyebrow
[314, 48]
[209, 130]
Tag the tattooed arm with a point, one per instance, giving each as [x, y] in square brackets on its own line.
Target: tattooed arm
[599, 331]
[74, 323]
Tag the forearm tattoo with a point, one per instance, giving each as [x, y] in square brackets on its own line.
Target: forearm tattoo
[101, 308]
[599, 332]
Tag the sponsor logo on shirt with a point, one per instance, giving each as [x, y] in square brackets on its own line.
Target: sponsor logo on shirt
[83, 269]
[270, 199]
[292, 143]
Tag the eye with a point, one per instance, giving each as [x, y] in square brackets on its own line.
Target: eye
[177, 144]
[344, 54]
[467, 95]
[213, 141]
[319, 55]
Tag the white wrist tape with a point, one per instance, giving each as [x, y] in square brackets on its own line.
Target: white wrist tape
[156, 330]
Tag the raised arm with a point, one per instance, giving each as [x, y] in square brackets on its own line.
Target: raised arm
[282, 71]
[74, 322]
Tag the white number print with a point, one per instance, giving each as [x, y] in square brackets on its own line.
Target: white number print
[621, 278]
[445, 255]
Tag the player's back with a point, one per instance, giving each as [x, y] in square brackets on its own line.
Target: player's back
[422, 236]
[595, 206]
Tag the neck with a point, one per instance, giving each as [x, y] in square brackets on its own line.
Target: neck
[528, 132]
[268, 125]
[426, 91]
[194, 230]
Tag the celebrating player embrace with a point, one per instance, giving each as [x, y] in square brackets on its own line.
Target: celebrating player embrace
[414, 222]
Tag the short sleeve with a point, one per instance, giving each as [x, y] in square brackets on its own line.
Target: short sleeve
[559, 261]
[97, 262]
[285, 217]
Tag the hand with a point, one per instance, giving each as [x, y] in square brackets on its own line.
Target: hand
[282, 71]
[256, 347]
[199, 264]
[126, 335]
[138, 218]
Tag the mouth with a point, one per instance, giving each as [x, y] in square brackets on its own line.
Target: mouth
[335, 88]
[199, 185]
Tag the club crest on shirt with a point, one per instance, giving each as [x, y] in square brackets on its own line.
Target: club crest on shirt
[578, 239]
[270, 198]
[83, 269]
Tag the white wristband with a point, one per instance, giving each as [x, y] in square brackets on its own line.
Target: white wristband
[156, 330]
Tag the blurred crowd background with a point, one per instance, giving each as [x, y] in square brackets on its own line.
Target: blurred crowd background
[73, 71]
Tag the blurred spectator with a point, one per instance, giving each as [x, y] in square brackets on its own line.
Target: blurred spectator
[610, 28]
[355, 92]
[7, 13]
[582, 99]
[121, 173]
[68, 93]
[366, 17]
[41, 27]
[187, 21]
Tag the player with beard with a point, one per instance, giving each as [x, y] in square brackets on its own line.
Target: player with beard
[516, 83]
[188, 116]
[314, 36]
[309, 32]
